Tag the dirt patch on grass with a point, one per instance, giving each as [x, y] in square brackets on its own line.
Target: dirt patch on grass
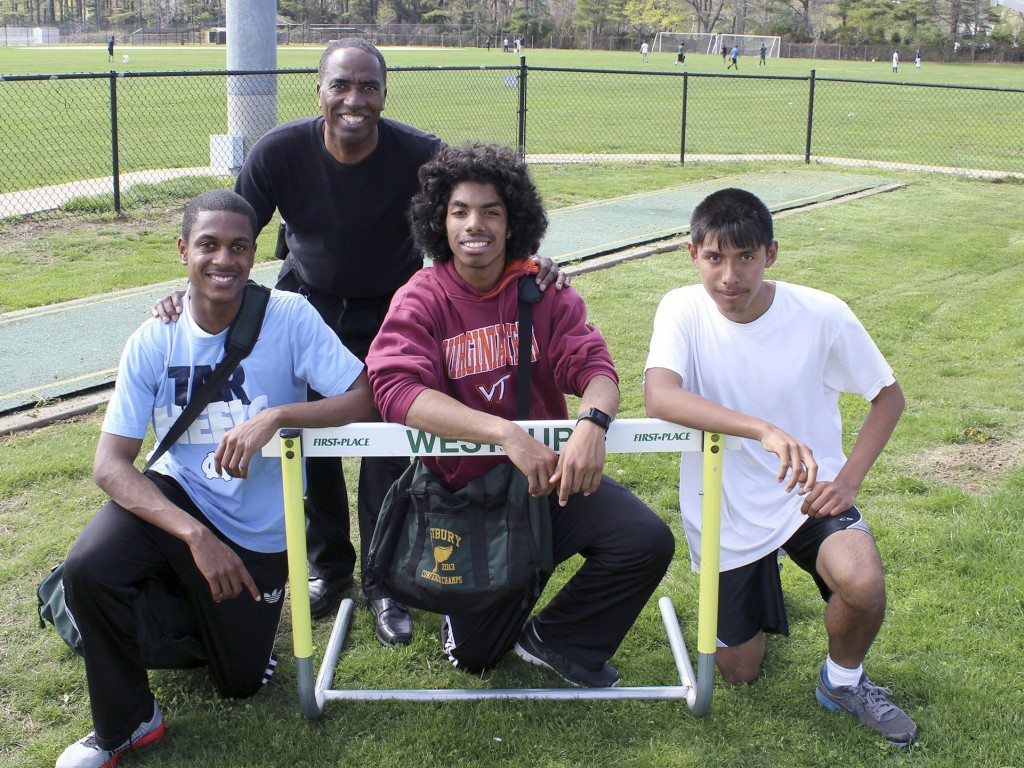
[974, 467]
[22, 236]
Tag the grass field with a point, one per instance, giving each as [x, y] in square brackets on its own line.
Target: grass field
[62, 59]
[59, 130]
[935, 271]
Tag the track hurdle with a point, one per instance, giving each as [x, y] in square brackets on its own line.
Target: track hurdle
[374, 439]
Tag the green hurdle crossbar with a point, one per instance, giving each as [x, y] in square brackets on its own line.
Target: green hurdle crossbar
[374, 439]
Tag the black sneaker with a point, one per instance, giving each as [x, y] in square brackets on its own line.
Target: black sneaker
[530, 648]
[870, 704]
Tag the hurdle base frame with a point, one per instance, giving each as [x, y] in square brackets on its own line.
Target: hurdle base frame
[314, 693]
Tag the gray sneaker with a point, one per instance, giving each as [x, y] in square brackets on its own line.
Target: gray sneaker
[870, 704]
[86, 753]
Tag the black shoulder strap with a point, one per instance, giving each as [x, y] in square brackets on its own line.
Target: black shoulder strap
[245, 329]
[242, 336]
[529, 294]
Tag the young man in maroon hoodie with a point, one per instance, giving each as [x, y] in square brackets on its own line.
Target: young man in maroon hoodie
[444, 362]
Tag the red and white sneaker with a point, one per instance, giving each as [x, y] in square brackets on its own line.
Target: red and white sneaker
[88, 754]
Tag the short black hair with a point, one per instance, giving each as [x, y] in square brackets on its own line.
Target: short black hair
[736, 217]
[483, 164]
[217, 200]
[352, 42]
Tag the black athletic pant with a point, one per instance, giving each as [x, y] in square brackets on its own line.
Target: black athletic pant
[108, 565]
[626, 549]
[328, 540]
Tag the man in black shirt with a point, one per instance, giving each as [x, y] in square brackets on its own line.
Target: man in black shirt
[342, 182]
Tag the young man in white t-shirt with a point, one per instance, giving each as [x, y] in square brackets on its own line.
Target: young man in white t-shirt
[766, 361]
[207, 521]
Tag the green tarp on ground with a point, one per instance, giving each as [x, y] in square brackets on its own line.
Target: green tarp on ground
[590, 229]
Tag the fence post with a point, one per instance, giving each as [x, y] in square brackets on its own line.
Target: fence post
[682, 137]
[115, 165]
[810, 119]
[522, 107]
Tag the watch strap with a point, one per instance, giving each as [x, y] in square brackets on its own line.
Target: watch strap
[596, 416]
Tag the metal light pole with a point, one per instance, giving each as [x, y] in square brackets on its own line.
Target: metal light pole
[252, 99]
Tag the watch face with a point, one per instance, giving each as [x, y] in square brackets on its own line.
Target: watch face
[599, 417]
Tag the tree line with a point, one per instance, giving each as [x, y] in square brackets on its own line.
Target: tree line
[924, 23]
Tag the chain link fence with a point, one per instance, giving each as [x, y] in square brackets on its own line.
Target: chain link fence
[100, 142]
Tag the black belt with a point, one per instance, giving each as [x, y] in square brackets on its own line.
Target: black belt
[356, 301]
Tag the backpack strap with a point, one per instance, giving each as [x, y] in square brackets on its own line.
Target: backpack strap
[529, 294]
[242, 335]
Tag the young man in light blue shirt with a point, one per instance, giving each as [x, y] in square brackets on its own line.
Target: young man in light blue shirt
[207, 520]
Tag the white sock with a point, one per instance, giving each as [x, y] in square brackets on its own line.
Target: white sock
[841, 676]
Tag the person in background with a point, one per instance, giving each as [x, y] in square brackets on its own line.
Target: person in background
[734, 57]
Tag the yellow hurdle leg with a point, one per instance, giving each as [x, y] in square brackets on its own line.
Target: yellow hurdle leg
[298, 570]
[710, 534]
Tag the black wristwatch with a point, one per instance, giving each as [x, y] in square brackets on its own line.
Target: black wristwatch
[599, 417]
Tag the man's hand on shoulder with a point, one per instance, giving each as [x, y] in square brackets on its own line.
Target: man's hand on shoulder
[829, 498]
[550, 273]
[168, 309]
[795, 459]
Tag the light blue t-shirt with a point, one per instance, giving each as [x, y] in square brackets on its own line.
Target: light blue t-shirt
[159, 369]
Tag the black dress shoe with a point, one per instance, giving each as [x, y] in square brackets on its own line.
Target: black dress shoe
[325, 595]
[392, 621]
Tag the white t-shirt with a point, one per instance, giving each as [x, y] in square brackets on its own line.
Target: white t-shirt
[788, 367]
[157, 371]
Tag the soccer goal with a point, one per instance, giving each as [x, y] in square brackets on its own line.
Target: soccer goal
[750, 45]
[696, 42]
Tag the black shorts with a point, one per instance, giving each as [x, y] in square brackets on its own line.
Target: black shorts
[750, 597]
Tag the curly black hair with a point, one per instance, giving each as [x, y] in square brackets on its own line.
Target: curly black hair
[483, 164]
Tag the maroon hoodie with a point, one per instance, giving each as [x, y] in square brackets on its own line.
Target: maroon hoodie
[441, 333]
